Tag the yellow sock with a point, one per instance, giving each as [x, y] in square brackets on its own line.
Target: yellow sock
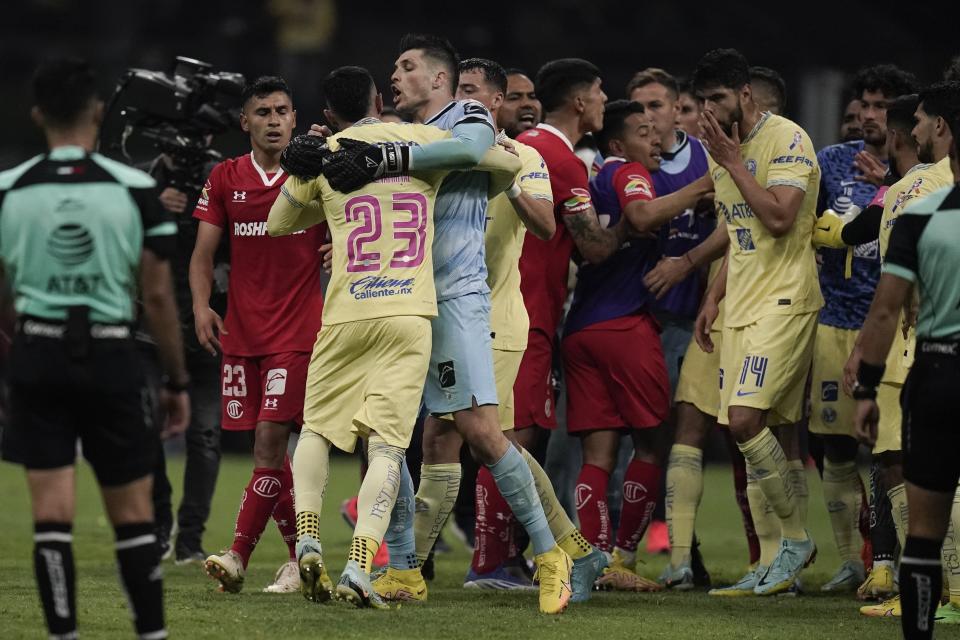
[308, 524]
[439, 485]
[951, 557]
[769, 463]
[899, 511]
[561, 526]
[683, 493]
[841, 492]
[765, 522]
[311, 467]
[379, 489]
[362, 550]
[797, 473]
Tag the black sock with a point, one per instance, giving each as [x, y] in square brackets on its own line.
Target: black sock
[139, 560]
[921, 583]
[883, 535]
[56, 578]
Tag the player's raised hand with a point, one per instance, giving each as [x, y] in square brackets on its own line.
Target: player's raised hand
[724, 149]
[668, 272]
[209, 326]
[870, 168]
[176, 406]
[705, 319]
[320, 131]
[866, 419]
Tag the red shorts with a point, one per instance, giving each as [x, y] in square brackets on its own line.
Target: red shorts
[616, 375]
[533, 399]
[263, 389]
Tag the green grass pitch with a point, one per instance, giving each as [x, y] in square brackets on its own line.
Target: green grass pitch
[195, 610]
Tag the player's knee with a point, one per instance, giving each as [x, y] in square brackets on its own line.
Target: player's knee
[745, 423]
[378, 448]
[270, 447]
[839, 449]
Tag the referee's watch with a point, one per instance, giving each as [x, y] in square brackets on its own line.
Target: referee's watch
[863, 392]
[868, 379]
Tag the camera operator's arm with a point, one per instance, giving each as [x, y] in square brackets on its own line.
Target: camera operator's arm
[173, 200]
[207, 322]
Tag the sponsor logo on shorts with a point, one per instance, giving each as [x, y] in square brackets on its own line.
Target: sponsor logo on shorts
[276, 382]
[634, 491]
[547, 408]
[267, 487]
[446, 374]
[829, 391]
[828, 415]
[380, 287]
[234, 409]
[271, 403]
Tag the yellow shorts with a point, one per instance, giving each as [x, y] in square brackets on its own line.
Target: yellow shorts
[765, 366]
[367, 376]
[506, 364]
[699, 382]
[891, 418]
[831, 410]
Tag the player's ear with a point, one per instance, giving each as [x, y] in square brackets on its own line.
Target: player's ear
[746, 93]
[378, 103]
[616, 147]
[244, 124]
[497, 101]
[294, 115]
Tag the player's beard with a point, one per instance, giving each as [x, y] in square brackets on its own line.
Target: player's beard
[925, 152]
[875, 137]
[735, 116]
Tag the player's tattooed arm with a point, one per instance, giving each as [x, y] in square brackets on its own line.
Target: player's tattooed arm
[776, 207]
[594, 243]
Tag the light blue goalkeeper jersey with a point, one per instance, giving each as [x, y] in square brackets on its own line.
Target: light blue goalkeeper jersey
[460, 217]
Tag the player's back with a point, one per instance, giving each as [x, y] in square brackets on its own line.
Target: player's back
[382, 235]
[461, 215]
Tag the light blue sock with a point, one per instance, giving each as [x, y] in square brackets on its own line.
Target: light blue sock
[515, 482]
[399, 537]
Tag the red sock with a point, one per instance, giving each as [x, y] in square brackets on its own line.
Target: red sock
[259, 499]
[591, 499]
[740, 493]
[284, 514]
[493, 524]
[641, 487]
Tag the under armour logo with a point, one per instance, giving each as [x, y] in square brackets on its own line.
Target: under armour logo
[239, 196]
[270, 403]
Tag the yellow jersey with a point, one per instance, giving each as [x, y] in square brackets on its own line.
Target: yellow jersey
[769, 275]
[504, 236]
[382, 234]
[917, 183]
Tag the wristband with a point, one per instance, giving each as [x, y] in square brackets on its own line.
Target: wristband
[514, 191]
[869, 375]
[174, 387]
[861, 392]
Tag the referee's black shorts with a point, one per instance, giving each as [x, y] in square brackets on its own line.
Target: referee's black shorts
[931, 419]
[102, 400]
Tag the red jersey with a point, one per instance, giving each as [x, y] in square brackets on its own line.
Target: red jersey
[545, 265]
[274, 300]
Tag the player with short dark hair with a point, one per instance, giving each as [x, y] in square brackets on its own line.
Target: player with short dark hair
[79, 234]
[769, 90]
[851, 127]
[922, 254]
[274, 302]
[848, 278]
[766, 181]
[617, 380]
[688, 116]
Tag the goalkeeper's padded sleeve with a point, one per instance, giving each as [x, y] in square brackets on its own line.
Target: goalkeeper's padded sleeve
[463, 151]
[864, 228]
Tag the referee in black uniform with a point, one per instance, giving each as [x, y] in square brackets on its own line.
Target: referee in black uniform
[76, 231]
[924, 252]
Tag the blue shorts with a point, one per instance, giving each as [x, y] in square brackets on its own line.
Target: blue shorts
[461, 363]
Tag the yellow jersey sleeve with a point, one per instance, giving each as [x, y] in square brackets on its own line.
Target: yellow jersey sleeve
[505, 233]
[770, 275]
[382, 236]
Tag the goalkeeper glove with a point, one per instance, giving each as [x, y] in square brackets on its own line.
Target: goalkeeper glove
[304, 156]
[358, 163]
[829, 228]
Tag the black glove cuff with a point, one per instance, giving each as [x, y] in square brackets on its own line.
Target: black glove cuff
[396, 158]
[869, 375]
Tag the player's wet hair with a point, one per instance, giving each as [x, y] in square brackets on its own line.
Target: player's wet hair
[493, 73]
[558, 79]
[654, 75]
[437, 49]
[774, 80]
[63, 89]
[615, 116]
[888, 79]
[942, 99]
[264, 86]
[347, 92]
[900, 112]
[726, 68]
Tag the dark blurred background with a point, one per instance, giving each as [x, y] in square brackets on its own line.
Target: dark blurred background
[816, 45]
